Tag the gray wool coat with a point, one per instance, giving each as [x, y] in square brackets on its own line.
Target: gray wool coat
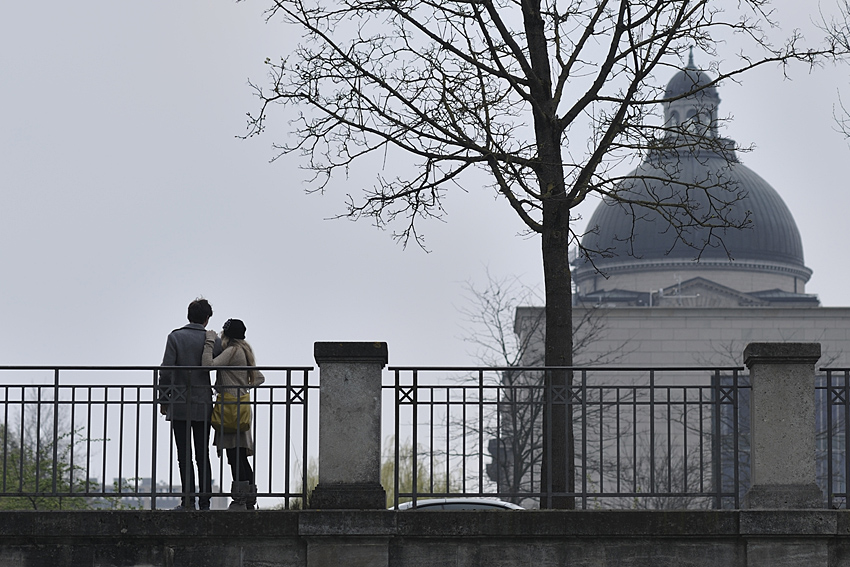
[186, 394]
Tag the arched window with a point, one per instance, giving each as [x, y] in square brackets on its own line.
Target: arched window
[692, 120]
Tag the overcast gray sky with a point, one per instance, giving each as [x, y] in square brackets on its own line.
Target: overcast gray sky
[126, 194]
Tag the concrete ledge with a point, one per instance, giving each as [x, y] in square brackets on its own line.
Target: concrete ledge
[351, 352]
[163, 525]
[347, 523]
[790, 497]
[782, 353]
[783, 522]
[166, 525]
[843, 524]
[556, 523]
[348, 496]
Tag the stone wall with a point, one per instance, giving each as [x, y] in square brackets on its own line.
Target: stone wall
[317, 538]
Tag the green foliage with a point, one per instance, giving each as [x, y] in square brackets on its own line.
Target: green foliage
[116, 500]
[41, 467]
[427, 482]
[31, 479]
[441, 482]
[312, 481]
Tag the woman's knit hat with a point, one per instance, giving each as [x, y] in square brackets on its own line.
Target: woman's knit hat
[234, 328]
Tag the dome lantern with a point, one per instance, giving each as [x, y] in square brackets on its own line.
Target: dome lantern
[691, 101]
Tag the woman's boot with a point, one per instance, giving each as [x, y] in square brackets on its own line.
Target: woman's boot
[239, 494]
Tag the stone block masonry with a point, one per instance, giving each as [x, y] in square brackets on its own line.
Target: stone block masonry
[382, 538]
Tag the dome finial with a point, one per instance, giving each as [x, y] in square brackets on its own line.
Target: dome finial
[691, 59]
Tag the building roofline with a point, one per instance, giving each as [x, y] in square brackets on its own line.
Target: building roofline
[638, 265]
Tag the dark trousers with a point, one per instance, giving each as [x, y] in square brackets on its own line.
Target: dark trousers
[200, 434]
[240, 467]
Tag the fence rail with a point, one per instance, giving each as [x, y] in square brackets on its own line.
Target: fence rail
[88, 436]
[832, 398]
[647, 438]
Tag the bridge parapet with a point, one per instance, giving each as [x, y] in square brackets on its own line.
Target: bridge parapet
[381, 538]
[781, 524]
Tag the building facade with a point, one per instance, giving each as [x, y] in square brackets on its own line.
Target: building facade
[667, 294]
[654, 290]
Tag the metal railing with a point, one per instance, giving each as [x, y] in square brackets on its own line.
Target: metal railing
[89, 436]
[642, 438]
[78, 437]
[832, 414]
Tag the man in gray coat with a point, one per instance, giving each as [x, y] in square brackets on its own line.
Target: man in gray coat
[185, 398]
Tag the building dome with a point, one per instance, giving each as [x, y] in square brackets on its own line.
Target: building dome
[637, 247]
[771, 235]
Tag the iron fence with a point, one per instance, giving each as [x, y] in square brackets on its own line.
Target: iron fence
[93, 437]
[79, 437]
[832, 394]
[641, 438]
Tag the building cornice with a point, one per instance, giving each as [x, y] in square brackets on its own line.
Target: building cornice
[640, 266]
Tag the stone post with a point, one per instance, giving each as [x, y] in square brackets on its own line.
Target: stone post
[782, 421]
[350, 426]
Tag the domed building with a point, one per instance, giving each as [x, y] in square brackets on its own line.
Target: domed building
[639, 257]
[659, 289]
[667, 291]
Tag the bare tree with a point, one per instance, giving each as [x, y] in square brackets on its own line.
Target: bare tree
[838, 32]
[547, 98]
[490, 315]
[515, 439]
[489, 312]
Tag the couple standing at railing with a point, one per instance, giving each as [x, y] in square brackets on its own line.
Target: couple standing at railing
[186, 401]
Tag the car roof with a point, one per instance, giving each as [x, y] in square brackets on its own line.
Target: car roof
[459, 504]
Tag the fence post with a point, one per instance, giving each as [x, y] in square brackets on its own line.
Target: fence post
[350, 425]
[782, 422]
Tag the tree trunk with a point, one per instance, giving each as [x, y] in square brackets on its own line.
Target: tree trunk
[557, 467]
[558, 474]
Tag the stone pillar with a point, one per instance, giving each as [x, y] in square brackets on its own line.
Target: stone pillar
[350, 426]
[782, 415]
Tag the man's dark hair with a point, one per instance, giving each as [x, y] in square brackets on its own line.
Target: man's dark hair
[200, 311]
